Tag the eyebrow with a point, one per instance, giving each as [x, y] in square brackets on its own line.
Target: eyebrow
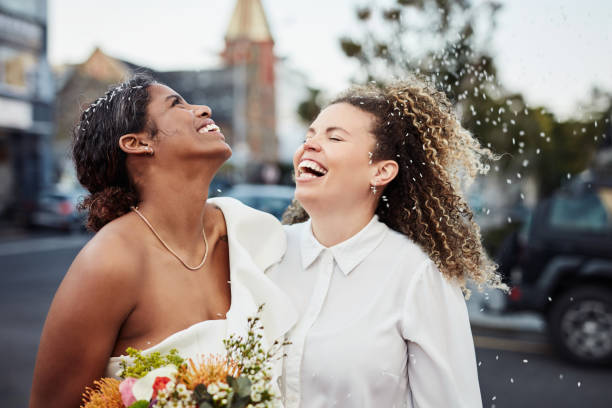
[174, 96]
[330, 129]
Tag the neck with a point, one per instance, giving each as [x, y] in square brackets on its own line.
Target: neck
[177, 212]
[332, 228]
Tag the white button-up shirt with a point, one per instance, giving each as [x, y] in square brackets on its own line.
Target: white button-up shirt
[379, 325]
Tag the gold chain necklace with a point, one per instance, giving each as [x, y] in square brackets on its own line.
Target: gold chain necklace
[192, 268]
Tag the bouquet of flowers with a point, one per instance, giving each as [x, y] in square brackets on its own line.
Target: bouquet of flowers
[242, 378]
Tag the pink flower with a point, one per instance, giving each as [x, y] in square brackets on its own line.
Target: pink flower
[125, 388]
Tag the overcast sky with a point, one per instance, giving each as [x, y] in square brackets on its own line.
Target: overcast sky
[554, 51]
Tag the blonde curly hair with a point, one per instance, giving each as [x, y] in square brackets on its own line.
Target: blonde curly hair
[438, 159]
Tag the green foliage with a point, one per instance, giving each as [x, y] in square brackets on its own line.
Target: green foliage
[310, 108]
[437, 40]
[202, 397]
[140, 404]
[142, 364]
[241, 387]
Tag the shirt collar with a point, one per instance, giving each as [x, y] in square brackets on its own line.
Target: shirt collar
[348, 254]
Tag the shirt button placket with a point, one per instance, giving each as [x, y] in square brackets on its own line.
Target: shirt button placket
[320, 290]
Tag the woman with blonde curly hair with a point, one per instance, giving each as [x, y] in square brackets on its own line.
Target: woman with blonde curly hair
[377, 271]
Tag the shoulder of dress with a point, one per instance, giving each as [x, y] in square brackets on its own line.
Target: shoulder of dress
[260, 233]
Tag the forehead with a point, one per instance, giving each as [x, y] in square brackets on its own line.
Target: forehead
[159, 92]
[346, 116]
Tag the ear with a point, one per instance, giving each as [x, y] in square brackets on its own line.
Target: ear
[136, 143]
[385, 172]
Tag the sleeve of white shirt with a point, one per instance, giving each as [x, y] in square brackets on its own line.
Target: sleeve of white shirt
[441, 358]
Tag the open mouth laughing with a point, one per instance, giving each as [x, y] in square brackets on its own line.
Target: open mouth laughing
[309, 169]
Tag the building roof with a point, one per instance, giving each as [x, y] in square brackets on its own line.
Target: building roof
[248, 22]
[104, 67]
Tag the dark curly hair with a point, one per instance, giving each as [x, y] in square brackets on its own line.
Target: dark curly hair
[437, 158]
[100, 163]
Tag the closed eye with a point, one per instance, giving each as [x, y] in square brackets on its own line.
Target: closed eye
[176, 100]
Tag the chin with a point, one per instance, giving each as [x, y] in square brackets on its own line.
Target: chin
[227, 152]
[222, 152]
[308, 198]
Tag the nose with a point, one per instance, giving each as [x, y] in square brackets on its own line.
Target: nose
[312, 145]
[202, 111]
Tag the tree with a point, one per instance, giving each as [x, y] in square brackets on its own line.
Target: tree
[447, 42]
[311, 106]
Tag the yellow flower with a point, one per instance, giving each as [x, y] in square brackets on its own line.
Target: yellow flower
[104, 394]
[207, 370]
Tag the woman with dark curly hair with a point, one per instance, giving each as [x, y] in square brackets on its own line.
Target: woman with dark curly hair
[167, 268]
[377, 272]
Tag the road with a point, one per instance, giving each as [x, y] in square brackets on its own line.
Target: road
[516, 368]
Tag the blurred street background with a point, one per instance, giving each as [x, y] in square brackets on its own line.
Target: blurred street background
[532, 80]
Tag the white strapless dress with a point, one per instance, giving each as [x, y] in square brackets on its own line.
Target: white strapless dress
[256, 242]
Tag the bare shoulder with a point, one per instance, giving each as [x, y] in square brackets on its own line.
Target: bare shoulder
[113, 257]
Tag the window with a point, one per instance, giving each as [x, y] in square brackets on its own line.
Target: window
[591, 211]
[18, 70]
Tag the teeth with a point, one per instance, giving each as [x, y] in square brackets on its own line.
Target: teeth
[311, 165]
[209, 128]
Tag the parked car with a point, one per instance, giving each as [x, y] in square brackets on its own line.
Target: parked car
[273, 199]
[58, 209]
[560, 265]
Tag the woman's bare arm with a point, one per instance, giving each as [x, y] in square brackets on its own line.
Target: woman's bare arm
[96, 296]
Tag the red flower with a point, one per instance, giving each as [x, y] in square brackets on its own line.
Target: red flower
[159, 384]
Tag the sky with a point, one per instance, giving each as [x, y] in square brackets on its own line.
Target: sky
[553, 51]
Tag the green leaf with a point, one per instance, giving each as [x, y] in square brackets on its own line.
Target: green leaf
[140, 404]
[200, 394]
[244, 386]
[240, 385]
[240, 402]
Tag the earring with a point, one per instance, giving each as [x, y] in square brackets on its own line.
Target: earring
[373, 188]
[149, 151]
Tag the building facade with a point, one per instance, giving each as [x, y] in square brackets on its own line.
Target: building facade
[249, 55]
[241, 92]
[26, 106]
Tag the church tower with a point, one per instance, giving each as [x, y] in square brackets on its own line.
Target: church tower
[249, 53]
